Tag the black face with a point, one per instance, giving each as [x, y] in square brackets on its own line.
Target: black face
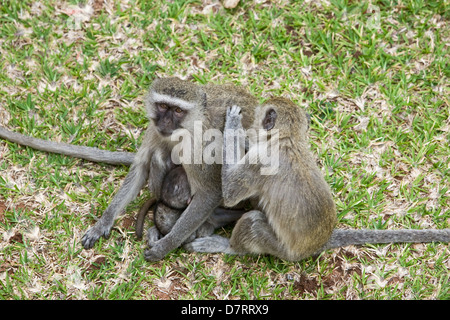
[168, 118]
[269, 119]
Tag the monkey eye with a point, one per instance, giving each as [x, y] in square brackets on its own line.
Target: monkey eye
[178, 110]
[163, 106]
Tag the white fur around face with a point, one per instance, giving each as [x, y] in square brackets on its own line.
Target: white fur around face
[162, 98]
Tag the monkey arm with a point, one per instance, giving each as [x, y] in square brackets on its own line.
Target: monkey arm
[87, 153]
[234, 184]
[235, 169]
[159, 167]
[132, 185]
[198, 211]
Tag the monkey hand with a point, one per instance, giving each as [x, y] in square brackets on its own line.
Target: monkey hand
[155, 253]
[93, 234]
[233, 118]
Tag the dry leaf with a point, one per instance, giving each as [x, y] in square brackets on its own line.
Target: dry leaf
[230, 4]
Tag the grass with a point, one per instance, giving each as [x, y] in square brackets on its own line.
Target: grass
[374, 78]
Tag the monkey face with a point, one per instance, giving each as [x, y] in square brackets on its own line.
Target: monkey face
[168, 118]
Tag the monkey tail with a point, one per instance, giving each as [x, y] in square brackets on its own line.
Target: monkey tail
[141, 217]
[87, 153]
[341, 237]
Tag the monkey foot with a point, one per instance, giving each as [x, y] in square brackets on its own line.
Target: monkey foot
[153, 235]
[212, 244]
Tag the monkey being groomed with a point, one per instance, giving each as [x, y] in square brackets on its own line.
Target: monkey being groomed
[171, 104]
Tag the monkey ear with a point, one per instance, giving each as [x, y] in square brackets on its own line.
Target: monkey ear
[308, 117]
[269, 119]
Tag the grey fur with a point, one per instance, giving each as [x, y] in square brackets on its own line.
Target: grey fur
[204, 179]
[343, 237]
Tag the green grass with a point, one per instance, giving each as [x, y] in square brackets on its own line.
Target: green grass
[375, 79]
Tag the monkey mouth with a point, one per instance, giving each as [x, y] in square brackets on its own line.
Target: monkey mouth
[165, 133]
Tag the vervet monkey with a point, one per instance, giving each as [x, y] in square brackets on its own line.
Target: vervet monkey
[296, 214]
[174, 104]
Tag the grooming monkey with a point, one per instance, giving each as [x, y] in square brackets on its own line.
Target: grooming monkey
[295, 216]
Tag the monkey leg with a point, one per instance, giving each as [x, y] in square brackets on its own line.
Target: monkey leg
[211, 244]
[254, 235]
[223, 216]
[251, 235]
[197, 213]
[216, 243]
[165, 218]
